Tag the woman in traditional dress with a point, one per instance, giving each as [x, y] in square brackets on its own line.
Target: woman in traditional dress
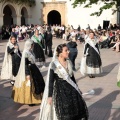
[29, 84]
[62, 99]
[92, 54]
[42, 35]
[11, 61]
[38, 48]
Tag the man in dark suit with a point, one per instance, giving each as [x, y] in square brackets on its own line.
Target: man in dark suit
[72, 46]
[48, 43]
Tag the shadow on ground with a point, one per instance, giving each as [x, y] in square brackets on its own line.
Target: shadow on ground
[101, 110]
[107, 69]
[11, 110]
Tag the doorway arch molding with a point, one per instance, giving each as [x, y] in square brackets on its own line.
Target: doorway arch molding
[53, 18]
[11, 14]
[9, 4]
[57, 6]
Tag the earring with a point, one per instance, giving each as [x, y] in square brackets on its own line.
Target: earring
[61, 55]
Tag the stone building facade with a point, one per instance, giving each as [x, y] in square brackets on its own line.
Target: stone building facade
[53, 12]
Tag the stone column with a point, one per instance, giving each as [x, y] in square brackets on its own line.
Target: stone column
[18, 19]
[62, 19]
[41, 16]
[14, 19]
[1, 19]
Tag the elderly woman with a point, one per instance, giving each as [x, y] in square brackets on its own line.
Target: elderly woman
[38, 48]
[11, 61]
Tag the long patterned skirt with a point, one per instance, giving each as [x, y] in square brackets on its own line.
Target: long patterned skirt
[69, 104]
[25, 94]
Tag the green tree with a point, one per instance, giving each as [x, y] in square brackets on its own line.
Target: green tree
[26, 2]
[107, 5]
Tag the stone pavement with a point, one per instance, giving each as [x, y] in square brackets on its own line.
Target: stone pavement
[103, 105]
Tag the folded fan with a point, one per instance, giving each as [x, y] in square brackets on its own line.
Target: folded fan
[91, 92]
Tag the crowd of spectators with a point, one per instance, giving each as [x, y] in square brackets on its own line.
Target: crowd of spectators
[107, 38]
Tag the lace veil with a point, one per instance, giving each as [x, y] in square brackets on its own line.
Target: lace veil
[20, 78]
[47, 112]
[6, 72]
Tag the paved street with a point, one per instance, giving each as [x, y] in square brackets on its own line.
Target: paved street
[103, 105]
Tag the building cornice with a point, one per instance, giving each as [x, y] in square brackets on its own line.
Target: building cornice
[57, 2]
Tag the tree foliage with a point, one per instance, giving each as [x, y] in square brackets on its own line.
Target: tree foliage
[107, 5]
[26, 2]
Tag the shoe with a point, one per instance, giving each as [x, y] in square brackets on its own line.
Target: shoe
[91, 76]
[12, 83]
[31, 105]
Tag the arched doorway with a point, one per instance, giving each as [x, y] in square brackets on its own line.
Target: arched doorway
[54, 17]
[9, 17]
[24, 16]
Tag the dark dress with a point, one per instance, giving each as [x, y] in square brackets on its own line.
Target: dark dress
[38, 81]
[39, 53]
[15, 60]
[93, 58]
[69, 104]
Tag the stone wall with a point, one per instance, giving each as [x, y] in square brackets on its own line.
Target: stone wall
[16, 13]
[69, 15]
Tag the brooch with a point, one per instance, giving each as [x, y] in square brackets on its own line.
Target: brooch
[59, 67]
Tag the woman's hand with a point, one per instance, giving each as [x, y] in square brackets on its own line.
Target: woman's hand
[28, 84]
[28, 81]
[28, 77]
[16, 47]
[50, 100]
